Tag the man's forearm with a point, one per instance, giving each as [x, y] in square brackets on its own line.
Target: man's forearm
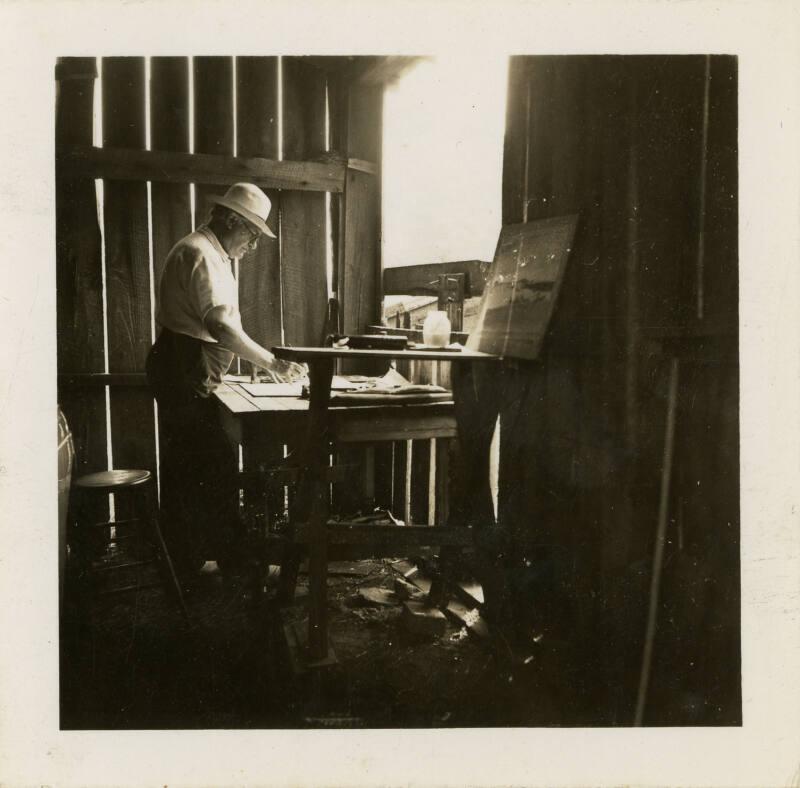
[237, 341]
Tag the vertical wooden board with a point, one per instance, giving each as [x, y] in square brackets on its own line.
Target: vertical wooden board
[303, 267]
[383, 475]
[125, 217]
[420, 480]
[338, 116]
[85, 411]
[522, 453]
[365, 122]
[360, 270]
[79, 276]
[671, 118]
[540, 139]
[515, 141]
[303, 228]
[127, 267]
[303, 110]
[358, 287]
[445, 447]
[213, 119]
[721, 209]
[257, 135]
[607, 165]
[169, 131]
[399, 486]
[568, 148]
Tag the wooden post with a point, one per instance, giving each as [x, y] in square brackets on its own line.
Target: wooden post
[315, 494]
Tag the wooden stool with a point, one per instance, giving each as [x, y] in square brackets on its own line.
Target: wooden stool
[138, 486]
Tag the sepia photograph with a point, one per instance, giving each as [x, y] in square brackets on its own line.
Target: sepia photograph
[331, 460]
[425, 379]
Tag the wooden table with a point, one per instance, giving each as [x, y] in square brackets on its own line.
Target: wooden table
[261, 423]
[326, 424]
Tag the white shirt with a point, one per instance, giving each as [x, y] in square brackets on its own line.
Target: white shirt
[197, 277]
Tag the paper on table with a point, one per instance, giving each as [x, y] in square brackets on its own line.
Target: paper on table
[392, 387]
[339, 383]
[273, 389]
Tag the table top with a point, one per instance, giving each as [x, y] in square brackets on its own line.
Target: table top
[311, 353]
[239, 401]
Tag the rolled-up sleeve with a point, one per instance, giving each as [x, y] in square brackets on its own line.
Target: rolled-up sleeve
[209, 287]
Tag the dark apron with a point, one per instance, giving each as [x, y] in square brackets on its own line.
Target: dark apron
[180, 366]
[199, 498]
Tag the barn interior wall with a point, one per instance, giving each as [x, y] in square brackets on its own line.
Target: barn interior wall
[644, 150]
[111, 249]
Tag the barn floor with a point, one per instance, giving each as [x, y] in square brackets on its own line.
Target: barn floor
[137, 667]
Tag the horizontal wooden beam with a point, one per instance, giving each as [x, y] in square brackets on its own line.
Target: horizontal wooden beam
[424, 279]
[172, 167]
[362, 166]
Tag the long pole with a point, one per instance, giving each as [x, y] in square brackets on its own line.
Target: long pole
[661, 535]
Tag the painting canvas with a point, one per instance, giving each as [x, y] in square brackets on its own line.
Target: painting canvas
[522, 287]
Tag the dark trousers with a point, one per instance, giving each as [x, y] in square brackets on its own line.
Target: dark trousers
[199, 466]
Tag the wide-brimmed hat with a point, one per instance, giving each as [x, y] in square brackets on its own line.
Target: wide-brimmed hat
[249, 202]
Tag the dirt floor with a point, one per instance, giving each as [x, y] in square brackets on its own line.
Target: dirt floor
[136, 665]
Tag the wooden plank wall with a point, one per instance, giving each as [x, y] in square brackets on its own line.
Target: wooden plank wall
[619, 141]
[289, 272]
[283, 286]
[79, 272]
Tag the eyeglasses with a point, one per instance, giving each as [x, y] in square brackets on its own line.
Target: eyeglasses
[252, 241]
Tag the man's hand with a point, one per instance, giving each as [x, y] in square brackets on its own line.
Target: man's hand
[291, 370]
[287, 371]
[223, 324]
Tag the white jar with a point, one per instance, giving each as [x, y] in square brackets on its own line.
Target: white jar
[436, 329]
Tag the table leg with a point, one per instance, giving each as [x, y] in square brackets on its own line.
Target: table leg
[477, 405]
[314, 499]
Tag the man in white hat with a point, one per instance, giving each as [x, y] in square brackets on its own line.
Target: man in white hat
[200, 332]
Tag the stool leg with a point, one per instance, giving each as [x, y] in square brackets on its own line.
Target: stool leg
[150, 514]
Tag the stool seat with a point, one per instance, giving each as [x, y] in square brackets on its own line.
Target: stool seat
[136, 486]
[112, 480]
